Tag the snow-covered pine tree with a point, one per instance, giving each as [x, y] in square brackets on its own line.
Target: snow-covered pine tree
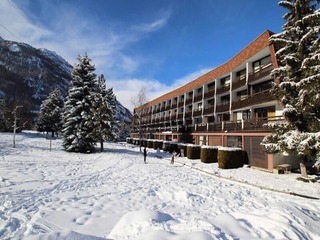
[297, 82]
[51, 109]
[104, 112]
[78, 124]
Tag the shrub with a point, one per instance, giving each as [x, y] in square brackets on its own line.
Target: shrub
[157, 144]
[209, 154]
[230, 158]
[193, 151]
[150, 143]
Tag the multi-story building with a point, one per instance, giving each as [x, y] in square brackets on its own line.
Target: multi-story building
[225, 107]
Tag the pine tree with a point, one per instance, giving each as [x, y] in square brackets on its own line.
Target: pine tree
[79, 125]
[50, 118]
[104, 112]
[297, 82]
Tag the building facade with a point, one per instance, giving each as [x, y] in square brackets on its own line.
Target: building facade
[225, 107]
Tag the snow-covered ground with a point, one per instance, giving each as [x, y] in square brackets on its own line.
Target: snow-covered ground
[114, 195]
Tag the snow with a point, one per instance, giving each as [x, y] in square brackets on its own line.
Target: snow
[113, 195]
[14, 48]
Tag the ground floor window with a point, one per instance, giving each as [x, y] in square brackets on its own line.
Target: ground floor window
[234, 141]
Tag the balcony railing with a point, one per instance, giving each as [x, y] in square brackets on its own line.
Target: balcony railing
[208, 110]
[238, 84]
[253, 76]
[223, 107]
[197, 98]
[254, 99]
[197, 113]
[209, 94]
[223, 89]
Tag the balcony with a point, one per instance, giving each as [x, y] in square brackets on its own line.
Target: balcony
[223, 88]
[188, 101]
[254, 76]
[223, 107]
[180, 104]
[238, 83]
[209, 94]
[198, 98]
[208, 110]
[197, 112]
[253, 99]
[188, 115]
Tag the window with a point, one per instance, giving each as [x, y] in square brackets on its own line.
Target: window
[199, 107]
[241, 75]
[262, 87]
[261, 63]
[225, 81]
[211, 86]
[242, 95]
[225, 99]
[199, 91]
[210, 103]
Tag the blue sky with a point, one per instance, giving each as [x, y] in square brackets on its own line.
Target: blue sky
[157, 44]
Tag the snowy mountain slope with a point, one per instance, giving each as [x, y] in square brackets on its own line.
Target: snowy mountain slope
[29, 74]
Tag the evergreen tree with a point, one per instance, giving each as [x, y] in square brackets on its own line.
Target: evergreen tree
[297, 82]
[79, 124]
[104, 112]
[50, 118]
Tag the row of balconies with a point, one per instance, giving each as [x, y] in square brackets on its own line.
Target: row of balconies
[226, 126]
[252, 77]
[244, 102]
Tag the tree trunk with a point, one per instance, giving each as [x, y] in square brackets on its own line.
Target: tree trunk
[303, 168]
[101, 145]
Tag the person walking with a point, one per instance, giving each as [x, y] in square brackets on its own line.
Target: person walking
[145, 154]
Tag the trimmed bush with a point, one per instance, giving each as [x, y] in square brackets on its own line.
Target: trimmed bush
[193, 151]
[157, 144]
[229, 158]
[143, 142]
[129, 140]
[209, 154]
[150, 143]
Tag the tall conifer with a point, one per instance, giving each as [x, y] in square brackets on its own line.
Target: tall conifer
[79, 124]
[297, 81]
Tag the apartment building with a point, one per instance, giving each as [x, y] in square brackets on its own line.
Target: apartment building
[225, 107]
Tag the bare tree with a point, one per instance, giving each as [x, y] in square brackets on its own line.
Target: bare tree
[137, 101]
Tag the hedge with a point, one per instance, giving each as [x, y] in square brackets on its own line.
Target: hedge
[209, 154]
[193, 151]
[150, 143]
[230, 158]
[157, 144]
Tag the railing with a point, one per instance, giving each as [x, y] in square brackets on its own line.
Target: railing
[197, 98]
[223, 89]
[208, 110]
[253, 76]
[254, 99]
[248, 125]
[197, 113]
[238, 83]
[189, 100]
[223, 107]
[209, 94]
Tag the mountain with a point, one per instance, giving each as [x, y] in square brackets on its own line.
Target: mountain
[28, 75]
